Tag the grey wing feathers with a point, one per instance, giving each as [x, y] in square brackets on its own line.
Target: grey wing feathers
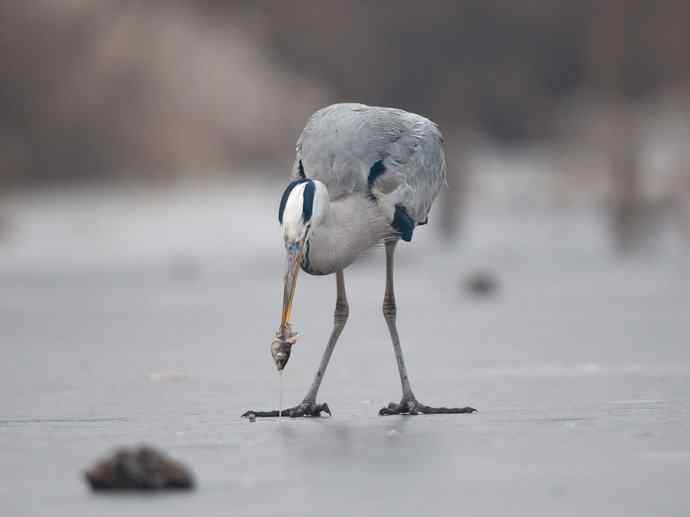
[341, 143]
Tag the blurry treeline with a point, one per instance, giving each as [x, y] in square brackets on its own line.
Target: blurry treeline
[96, 89]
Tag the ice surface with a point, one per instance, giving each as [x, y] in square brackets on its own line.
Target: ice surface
[579, 366]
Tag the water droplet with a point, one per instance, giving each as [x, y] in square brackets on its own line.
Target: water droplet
[280, 397]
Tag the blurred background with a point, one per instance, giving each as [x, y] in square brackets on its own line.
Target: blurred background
[541, 101]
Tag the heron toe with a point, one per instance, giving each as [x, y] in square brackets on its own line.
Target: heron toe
[305, 409]
[412, 407]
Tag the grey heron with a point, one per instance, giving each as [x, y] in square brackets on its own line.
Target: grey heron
[363, 175]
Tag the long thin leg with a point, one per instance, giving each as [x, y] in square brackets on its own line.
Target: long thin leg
[409, 403]
[309, 407]
[340, 315]
[389, 313]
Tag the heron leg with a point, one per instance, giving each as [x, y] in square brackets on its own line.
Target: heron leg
[408, 403]
[309, 407]
[340, 315]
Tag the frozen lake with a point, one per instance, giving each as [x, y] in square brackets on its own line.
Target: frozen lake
[147, 317]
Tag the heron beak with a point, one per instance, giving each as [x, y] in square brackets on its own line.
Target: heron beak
[295, 250]
[285, 338]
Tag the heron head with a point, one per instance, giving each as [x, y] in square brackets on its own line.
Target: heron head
[303, 206]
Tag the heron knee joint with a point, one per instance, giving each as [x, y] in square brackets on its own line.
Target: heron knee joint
[342, 311]
[389, 308]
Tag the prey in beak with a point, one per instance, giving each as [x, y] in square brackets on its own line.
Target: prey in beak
[285, 338]
[282, 346]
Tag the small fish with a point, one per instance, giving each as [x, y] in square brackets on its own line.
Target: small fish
[281, 346]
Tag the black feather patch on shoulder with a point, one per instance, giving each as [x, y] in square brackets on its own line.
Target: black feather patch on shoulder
[403, 223]
[308, 201]
[286, 195]
[374, 173]
[300, 170]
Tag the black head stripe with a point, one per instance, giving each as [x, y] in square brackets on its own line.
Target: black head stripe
[300, 170]
[286, 195]
[308, 202]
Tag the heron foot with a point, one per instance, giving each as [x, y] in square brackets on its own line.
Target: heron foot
[410, 406]
[311, 409]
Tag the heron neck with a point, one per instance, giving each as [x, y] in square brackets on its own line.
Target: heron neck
[353, 225]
